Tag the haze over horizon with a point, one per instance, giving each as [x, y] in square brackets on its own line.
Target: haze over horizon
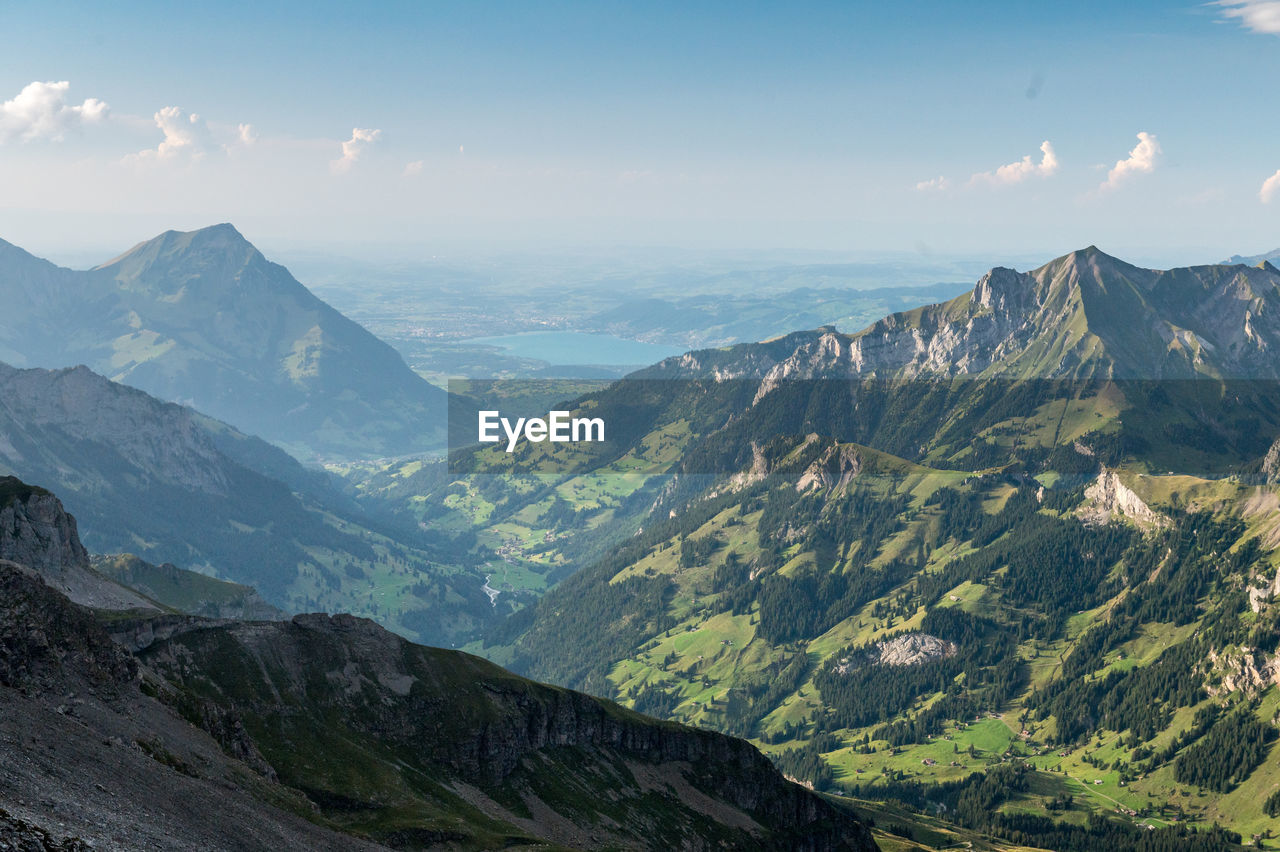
[841, 128]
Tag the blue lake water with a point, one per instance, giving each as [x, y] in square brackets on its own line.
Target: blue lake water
[574, 347]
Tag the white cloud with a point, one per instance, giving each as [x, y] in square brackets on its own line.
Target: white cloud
[1141, 159]
[1022, 169]
[244, 136]
[41, 111]
[413, 169]
[361, 138]
[939, 183]
[186, 137]
[1260, 16]
[1270, 188]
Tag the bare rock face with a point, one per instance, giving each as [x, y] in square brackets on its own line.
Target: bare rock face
[1244, 669]
[1109, 498]
[20, 834]
[463, 720]
[43, 641]
[36, 532]
[1271, 464]
[911, 649]
[833, 470]
[89, 760]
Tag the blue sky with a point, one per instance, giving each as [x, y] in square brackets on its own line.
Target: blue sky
[854, 127]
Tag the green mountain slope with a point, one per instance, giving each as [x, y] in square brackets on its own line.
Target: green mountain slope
[156, 479]
[978, 556]
[204, 319]
[186, 591]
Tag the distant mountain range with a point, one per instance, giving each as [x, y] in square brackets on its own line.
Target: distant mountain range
[1254, 259]
[706, 320]
[1085, 315]
[202, 318]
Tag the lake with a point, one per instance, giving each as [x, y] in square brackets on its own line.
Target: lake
[575, 347]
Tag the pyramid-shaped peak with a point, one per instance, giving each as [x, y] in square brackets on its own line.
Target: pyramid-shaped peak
[1091, 264]
[223, 233]
[222, 237]
[1266, 266]
[1089, 255]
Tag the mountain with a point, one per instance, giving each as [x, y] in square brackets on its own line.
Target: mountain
[163, 482]
[37, 533]
[1254, 260]
[330, 733]
[1085, 315]
[186, 591]
[703, 321]
[1009, 560]
[202, 318]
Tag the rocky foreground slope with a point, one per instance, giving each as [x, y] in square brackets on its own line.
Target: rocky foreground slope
[331, 733]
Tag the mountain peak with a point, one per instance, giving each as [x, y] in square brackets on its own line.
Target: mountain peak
[222, 237]
[1090, 273]
[18, 256]
[1088, 257]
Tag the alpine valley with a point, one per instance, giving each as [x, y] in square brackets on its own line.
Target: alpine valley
[1004, 566]
[995, 573]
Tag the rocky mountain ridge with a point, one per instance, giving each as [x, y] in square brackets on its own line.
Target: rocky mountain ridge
[331, 733]
[1069, 319]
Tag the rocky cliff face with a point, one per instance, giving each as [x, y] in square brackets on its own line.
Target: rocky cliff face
[1109, 497]
[337, 719]
[1271, 464]
[463, 720]
[89, 760]
[910, 649]
[37, 533]
[45, 640]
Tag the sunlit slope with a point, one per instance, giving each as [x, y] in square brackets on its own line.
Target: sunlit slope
[1022, 529]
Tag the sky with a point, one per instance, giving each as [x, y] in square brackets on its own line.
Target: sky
[1150, 129]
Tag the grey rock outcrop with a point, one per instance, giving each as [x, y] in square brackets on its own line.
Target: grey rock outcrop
[36, 532]
[910, 649]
